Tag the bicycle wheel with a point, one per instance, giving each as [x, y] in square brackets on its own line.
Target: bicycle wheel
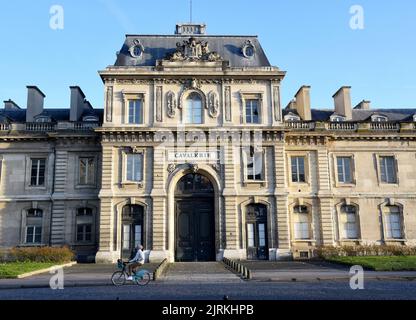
[142, 278]
[118, 278]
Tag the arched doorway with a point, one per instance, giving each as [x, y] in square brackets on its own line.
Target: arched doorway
[132, 229]
[194, 219]
[257, 238]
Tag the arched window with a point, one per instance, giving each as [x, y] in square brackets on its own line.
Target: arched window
[350, 222]
[34, 218]
[302, 218]
[393, 225]
[193, 109]
[85, 223]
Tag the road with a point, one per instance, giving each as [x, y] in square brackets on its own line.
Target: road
[253, 290]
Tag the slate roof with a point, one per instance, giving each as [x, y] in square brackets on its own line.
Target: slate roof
[158, 47]
[19, 116]
[358, 115]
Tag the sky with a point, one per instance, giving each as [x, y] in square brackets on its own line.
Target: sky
[312, 40]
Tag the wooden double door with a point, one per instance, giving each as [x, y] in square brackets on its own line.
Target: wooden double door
[195, 230]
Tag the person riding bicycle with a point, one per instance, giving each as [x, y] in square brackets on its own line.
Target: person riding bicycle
[136, 262]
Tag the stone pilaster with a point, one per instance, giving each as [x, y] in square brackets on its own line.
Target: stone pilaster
[58, 206]
[106, 252]
[282, 214]
[159, 212]
[232, 244]
[325, 200]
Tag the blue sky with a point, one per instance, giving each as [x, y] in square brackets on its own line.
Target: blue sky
[311, 40]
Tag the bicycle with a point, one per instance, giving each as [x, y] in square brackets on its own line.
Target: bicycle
[119, 278]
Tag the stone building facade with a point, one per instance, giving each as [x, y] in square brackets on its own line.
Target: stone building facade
[195, 158]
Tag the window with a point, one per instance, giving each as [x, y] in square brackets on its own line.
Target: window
[338, 119]
[84, 225]
[350, 222]
[43, 119]
[393, 223]
[291, 117]
[134, 172]
[135, 111]
[250, 235]
[126, 236]
[253, 161]
[252, 111]
[302, 223]
[298, 169]
[87, 171]
[34, 226]
[37, 178]
[378, 118]
[193, 112]
[344, 166]
[388, 170]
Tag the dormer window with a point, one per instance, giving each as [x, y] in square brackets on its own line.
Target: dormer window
[414, 118]
[291, 117]
[43, 119]
[90, 119]
[337, 118]
[379, 118]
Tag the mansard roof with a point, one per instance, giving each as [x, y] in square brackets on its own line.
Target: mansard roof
[399, 115]
[19, 116]
[157, 47]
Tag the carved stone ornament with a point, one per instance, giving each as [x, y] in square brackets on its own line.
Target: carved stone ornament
[171, 104]
[171, 168]
[137, 49]
[248, 50]
[193, 50]
[194, 167]
[213, 104]
[216, 167]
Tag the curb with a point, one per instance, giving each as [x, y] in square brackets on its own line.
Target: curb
[34, 273]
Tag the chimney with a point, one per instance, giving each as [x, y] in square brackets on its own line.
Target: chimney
[87, 105]
[363, 105]
[189, 29]
[303, 103]
[35, 100]
[10, 105]
[77, 103]
[342, 99]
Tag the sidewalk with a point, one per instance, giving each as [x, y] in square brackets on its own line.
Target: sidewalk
[80, 275]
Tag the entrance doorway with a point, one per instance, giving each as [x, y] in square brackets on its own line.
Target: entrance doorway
[195, 219]
[132, 230]
[257, 239]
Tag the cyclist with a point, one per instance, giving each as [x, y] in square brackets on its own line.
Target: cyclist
[136, 262]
